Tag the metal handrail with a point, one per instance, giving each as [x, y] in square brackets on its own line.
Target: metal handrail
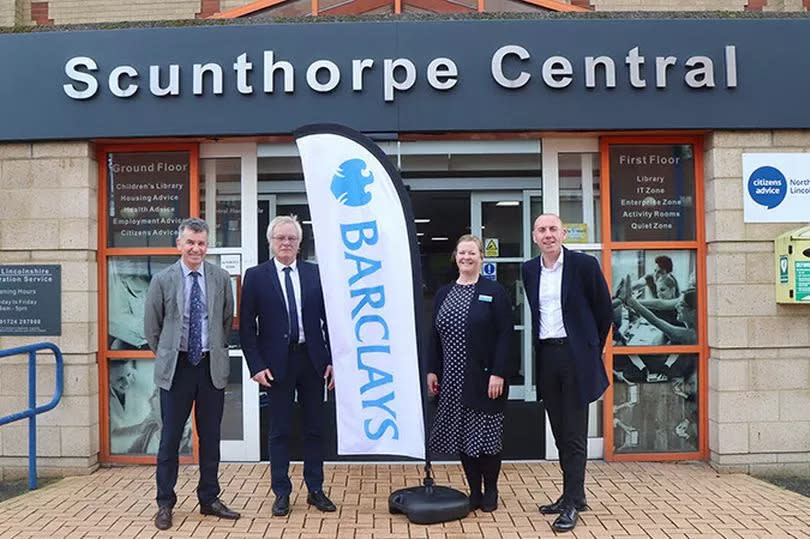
[34, 410]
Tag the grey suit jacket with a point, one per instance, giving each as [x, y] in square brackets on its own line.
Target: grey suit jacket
[163, 321]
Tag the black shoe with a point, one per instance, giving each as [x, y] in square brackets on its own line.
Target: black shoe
[489, 501]
[567, 519]
[281, 506]
[320, 501]
[475, 501]
[556, 507]
[163, 519]
[218, 509]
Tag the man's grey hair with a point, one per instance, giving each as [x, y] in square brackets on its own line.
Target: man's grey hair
[194, 224]
[284, 220]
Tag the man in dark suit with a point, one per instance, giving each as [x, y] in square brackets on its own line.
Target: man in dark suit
[187, 319]
[284, 338]
[571, 316]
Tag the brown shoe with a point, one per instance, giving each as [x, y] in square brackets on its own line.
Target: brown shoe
[163, 519]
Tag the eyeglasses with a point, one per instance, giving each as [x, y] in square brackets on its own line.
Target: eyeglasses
[282, 239]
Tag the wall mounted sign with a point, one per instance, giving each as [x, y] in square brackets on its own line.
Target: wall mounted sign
[30, 300]
[406, 76]
[148, 197]
[652, 192]
[776, 187]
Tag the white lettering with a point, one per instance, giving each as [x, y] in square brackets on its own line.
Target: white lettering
[390, 82]
[590, 71]
[358, 66]
[270, 67]
[115, 81]
[442, 68]
[557, 71]
[216, 77]
[174, 81]
[332, 80]
[71, 70]
[496, 66]
[242, 68]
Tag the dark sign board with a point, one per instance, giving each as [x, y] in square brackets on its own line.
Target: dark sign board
[148, 197]
[407, 76]
[30, 300]
[652, 192]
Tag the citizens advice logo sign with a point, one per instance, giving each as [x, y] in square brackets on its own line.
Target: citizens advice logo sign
[776, 187]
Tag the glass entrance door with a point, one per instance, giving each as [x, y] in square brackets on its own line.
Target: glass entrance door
[498, 219]
[228, 205]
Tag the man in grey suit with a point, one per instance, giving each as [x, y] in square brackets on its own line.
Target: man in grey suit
[187, 319]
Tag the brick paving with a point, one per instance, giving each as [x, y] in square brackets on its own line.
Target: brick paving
[628, 500]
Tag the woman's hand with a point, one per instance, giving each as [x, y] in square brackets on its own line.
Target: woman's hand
[432, 383]
[495, 387]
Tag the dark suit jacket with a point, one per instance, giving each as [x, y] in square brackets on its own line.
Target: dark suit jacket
[586, 316]
[488, 336]
[263, 325]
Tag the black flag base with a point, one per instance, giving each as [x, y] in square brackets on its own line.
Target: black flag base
[429, 504]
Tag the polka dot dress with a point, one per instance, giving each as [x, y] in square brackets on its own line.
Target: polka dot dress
[456, 427]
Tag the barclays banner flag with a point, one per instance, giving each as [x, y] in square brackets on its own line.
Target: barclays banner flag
[364, 238]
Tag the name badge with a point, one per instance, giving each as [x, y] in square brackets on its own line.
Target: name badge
[484, 297]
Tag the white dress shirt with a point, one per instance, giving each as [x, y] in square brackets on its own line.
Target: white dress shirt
[296, 282]
[550, 302]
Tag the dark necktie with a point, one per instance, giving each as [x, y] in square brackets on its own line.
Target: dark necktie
[195, 314]
[292, 310]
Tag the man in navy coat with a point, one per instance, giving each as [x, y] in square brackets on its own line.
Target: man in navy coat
[571, 316]
[284, 339]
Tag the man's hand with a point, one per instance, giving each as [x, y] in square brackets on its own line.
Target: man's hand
[264, 378]
[495, 387]
[432, 383]
[329, 377]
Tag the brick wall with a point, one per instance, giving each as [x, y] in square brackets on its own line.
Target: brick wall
[49, 214]
[759, 360]
[27, 12]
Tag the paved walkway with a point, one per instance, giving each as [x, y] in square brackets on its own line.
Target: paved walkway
[627, 500]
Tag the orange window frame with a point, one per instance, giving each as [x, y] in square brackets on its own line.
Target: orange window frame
[104, 253]
[699, 245]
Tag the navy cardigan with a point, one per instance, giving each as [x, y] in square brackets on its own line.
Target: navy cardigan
[488, 336]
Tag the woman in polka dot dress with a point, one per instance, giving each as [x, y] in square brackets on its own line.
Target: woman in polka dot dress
[469, 359]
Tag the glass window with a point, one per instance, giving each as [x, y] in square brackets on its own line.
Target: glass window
[502, 228]
[223, 210]
[652, 192]
[580, 207]
[148, 196]
[654, 298]
[127, 281]
[134, 406]
[655, 403]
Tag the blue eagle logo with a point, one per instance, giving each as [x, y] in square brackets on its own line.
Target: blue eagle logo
[350, 181]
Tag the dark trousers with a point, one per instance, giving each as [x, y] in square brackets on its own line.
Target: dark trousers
[301, 377]
[568, 417]
[191, 384]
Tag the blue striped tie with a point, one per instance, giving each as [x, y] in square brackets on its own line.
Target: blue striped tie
[195, 315]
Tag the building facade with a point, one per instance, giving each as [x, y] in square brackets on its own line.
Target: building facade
[105, 148]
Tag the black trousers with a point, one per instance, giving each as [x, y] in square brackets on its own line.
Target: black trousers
[567, 415]
[301, 377]
[191, 384]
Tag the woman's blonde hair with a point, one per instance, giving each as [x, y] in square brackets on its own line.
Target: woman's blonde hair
[468, 237]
